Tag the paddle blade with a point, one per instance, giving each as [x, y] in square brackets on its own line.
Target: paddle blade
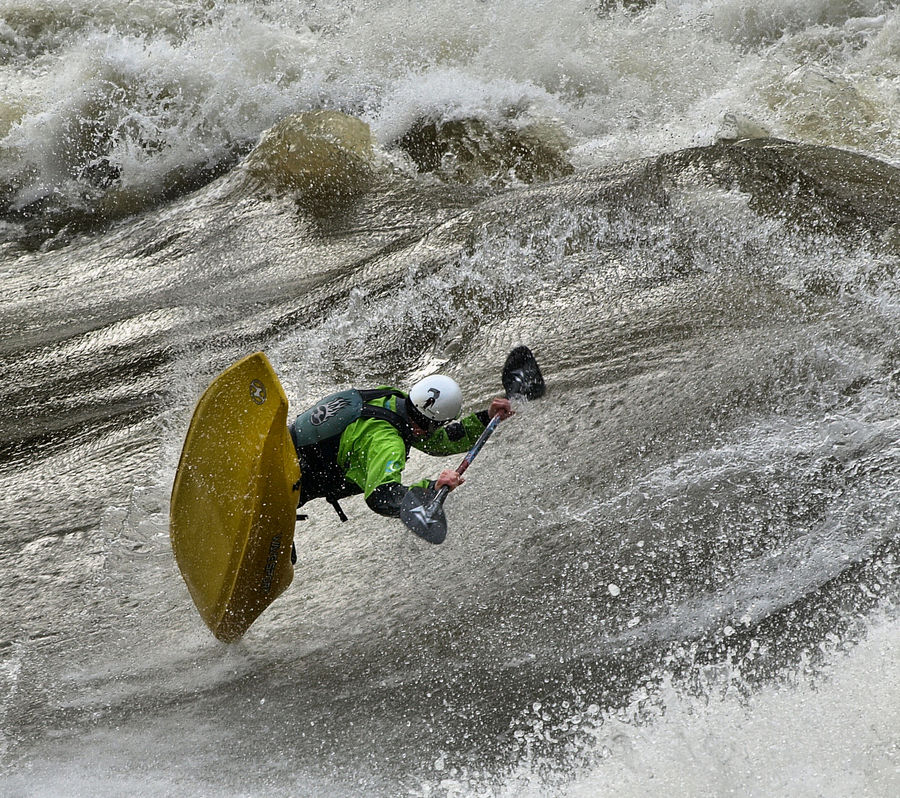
[424, 516]
[522, 376]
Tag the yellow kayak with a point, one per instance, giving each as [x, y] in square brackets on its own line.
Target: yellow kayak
[235, 497]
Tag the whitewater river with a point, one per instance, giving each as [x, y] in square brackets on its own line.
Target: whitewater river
[676, 574]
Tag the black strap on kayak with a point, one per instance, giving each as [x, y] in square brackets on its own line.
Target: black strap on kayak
[337, 508]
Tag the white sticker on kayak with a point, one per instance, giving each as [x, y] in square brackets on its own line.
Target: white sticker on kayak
[257, 392]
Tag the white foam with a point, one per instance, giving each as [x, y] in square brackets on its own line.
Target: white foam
[174, 88]
[832, 735]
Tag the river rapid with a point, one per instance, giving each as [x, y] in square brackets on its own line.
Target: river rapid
[675, 573]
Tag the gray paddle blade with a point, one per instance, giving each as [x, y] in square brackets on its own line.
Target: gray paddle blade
[522, 376]
[427, 520]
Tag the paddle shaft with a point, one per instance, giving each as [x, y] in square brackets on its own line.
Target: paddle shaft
[438, 500]
[521, 378]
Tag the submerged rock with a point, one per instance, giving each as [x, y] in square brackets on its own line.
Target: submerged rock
[823, 189]
[472, 150]
[324, 156]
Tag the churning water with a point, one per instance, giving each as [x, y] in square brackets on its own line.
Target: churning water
[676, 573]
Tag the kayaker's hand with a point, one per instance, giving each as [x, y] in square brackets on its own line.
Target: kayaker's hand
[501, 407]
[449, 478]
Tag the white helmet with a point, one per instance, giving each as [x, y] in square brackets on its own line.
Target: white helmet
[437, 398]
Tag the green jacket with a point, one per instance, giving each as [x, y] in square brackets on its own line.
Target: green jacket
[372, 452]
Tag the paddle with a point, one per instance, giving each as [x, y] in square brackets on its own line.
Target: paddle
[424, 514]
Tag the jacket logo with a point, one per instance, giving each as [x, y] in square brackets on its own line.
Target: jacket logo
[326, 410]
[429, 402]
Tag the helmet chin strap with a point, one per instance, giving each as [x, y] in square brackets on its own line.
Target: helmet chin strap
[418, 418]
